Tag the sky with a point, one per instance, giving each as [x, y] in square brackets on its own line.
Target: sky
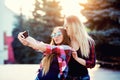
[72, 8]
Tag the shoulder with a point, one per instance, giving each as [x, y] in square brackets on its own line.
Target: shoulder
[66, 46]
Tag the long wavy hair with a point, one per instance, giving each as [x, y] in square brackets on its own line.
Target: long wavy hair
[46, 61]
[79, 33]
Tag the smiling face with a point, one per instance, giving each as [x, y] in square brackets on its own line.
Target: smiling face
[57, 36]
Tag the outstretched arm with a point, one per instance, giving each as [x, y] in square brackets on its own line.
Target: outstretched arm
[31, 42]
[60, 50]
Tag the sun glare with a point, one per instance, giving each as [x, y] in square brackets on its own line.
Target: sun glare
[68, 7]
[15, 5]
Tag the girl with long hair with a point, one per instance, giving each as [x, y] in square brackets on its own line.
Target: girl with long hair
[56, 55]
[84, 46]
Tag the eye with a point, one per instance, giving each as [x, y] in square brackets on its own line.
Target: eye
[56, 34]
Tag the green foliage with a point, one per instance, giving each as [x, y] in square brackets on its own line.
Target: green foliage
[104, 20]
[46, 15]
[52, 11]
[102, 14]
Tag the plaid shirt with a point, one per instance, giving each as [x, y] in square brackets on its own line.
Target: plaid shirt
[63, 55]
[90, 62]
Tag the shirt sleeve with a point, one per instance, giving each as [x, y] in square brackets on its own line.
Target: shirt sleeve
[90, 62]
[48, 50]
[62, 51]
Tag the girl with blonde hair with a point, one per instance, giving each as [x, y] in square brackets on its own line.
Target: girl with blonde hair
[84, 46]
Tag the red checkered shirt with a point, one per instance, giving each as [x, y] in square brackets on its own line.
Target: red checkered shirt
[63, 55]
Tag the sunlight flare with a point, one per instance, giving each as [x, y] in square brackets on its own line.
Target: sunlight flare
[16, 5]
[68, 7]
[72, 7]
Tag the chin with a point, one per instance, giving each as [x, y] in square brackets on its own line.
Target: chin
[57, 43]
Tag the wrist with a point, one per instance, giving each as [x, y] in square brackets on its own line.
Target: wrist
[77, 58]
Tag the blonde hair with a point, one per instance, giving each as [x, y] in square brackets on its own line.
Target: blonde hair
[46, 61]
[80, 34]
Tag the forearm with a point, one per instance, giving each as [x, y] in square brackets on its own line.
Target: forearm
[78, 59]
[87, 63]
[37, 45]
[81, 61]
[31, 42]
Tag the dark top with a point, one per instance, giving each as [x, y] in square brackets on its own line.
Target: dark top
[52, 73]
[76, 69]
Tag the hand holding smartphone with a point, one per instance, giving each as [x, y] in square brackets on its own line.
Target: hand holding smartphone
[25, 34]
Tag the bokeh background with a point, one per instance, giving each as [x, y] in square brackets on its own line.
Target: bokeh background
[39, 17]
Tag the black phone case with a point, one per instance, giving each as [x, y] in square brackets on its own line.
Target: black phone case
[25, 34]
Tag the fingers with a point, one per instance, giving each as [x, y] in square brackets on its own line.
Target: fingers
[74, 54]
[20, 35]
[22, 38]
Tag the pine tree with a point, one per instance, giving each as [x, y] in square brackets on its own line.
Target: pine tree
[52, 11]
[16, 44]
[104, 20]
[102, 11]
[45, 16]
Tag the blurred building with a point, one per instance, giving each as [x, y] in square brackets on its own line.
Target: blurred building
[6, 25]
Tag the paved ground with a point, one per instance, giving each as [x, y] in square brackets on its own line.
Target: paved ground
[29, 72]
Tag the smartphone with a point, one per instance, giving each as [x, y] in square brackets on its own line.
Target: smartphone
[25, 34]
